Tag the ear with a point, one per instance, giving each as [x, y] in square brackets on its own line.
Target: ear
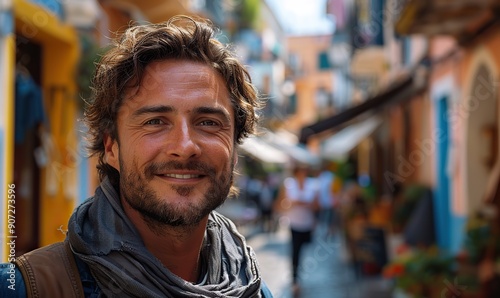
[111, 152]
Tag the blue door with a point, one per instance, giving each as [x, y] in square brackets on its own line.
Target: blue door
[449, 227]
[442, 202]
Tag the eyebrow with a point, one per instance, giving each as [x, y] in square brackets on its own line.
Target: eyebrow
[169, 109]
[215, 111]
[153, 110]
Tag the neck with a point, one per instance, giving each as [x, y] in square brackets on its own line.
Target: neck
[178, 248]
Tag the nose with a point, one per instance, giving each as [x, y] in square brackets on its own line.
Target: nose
[182, 142]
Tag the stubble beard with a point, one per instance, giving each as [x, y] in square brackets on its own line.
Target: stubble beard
[159, 213]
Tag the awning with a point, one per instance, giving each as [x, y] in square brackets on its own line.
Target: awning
[278, 148]
[296, 152]
[339, 145]
[261, 150]
[41, 26]
[404, 89]
[461, 19]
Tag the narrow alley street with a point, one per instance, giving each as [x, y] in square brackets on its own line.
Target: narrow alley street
[324, 271]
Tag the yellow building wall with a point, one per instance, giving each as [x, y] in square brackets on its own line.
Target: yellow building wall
[8, 142]
[60, 56]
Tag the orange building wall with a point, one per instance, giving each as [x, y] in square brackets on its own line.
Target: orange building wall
[484, 49]
[309, 79]
[458, 62]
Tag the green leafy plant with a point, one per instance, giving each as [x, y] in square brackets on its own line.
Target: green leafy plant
[418, 271]
[90, 53]
[479, 237]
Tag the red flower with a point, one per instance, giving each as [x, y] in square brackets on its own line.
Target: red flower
[393, 270]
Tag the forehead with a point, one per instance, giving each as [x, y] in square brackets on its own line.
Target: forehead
[180, 81]
[181, 74]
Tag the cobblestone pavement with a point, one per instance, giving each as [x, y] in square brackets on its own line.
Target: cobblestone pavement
[323, 270]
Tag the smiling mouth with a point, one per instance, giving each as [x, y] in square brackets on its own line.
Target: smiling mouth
[177, 172]
[181, 176]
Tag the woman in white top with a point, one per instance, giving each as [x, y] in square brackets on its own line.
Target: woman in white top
[298, 199]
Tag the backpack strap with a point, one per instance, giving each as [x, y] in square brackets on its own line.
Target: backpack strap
[51, 271]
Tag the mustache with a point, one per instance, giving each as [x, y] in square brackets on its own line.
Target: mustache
[157, 167]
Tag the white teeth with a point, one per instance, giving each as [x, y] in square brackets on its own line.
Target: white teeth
[178, 176]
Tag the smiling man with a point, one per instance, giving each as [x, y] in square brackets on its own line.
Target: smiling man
[169, 107]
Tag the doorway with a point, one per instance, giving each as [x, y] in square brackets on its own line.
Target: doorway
[29, 116]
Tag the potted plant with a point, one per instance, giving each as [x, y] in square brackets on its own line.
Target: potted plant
[421, 273]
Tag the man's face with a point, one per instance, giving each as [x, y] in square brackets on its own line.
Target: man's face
[175, 149]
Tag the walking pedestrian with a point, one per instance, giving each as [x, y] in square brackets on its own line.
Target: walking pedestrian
[298, 199]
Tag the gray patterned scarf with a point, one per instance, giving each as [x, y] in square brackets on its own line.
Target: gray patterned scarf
[103, 237]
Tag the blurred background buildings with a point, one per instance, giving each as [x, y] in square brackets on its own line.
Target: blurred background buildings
[399, 97]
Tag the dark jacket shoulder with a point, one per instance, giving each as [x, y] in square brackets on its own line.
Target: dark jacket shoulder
[50, 271]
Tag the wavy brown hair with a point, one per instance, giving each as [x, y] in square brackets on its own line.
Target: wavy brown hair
[123, 67]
